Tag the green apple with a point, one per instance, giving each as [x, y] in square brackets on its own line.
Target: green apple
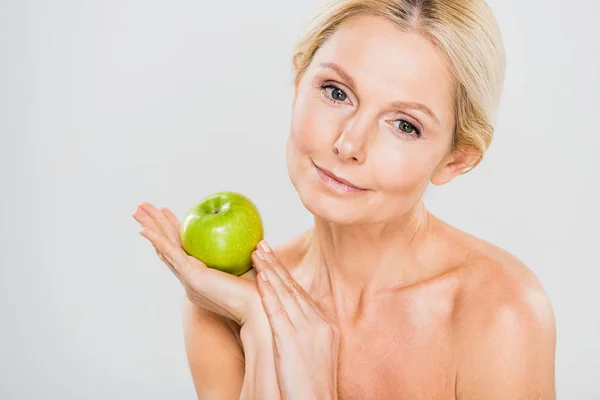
[222, 231]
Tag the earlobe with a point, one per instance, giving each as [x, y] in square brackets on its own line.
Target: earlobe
[442, 175]
[456, 164]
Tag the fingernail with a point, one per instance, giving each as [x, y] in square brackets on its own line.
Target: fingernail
[265, 246]
[259, 255]
[263, 276]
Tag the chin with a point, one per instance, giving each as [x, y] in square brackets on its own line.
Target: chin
[341, 209]
[329, 209]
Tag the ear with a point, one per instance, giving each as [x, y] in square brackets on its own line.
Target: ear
[453, 165]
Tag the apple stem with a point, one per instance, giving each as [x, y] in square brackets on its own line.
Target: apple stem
[215, 211]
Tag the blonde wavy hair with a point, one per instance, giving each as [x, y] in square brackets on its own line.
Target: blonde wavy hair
[466, 32]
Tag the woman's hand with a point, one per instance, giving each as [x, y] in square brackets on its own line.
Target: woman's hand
[233, 297]
[225, 294]
[305, 342]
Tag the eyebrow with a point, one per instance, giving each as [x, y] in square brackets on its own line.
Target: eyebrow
[396, 104]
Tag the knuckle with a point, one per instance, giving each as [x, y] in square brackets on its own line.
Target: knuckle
[290, 285]
[168, 254]
[296, 288]
[280, 310]
[164, 241]
[170, 251]
[160, 242]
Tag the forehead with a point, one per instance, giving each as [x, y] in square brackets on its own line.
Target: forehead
[390, 63]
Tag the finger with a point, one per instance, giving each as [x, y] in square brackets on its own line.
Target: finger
[172, 218]
[174, 224]
[296, 309]
[284, 274]
[218, 291]
[160, 220]
[273, 261]
[164, 259]
[277, 313]
[175, 256]
[168, 264]
[145, 219]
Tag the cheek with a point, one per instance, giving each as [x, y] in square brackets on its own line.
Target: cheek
[312, 128]
[305, 139]
[402, 170]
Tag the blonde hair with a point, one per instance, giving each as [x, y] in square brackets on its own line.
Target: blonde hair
[465, 31]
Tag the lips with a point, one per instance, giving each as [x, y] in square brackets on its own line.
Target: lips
[337, 178]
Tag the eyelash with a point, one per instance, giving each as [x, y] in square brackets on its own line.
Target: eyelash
[326, 86]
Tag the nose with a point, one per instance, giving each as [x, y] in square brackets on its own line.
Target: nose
[350, 146]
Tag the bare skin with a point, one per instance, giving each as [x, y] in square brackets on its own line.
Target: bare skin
[425, 311]
[417, 341]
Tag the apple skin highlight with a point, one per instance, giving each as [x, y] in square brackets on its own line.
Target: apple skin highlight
[222, 230]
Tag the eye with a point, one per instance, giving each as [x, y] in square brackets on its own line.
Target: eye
[407, 128]
[335, 93]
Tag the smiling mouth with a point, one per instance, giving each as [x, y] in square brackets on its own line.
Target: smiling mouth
[336, 182]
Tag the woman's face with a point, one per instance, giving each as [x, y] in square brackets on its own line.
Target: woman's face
[375, 108]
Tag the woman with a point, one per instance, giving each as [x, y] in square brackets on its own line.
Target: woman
[380, 299]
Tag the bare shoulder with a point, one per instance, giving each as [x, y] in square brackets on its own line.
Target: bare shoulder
[506, 327]
[495, 284]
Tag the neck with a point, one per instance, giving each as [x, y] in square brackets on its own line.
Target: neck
[357, 261]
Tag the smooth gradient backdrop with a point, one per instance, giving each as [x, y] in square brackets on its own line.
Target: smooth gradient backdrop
[105, 104]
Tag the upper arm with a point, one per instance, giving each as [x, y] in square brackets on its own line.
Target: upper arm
[511, 356]
[215, 358]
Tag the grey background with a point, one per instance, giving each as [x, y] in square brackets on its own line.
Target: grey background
[106, 104]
